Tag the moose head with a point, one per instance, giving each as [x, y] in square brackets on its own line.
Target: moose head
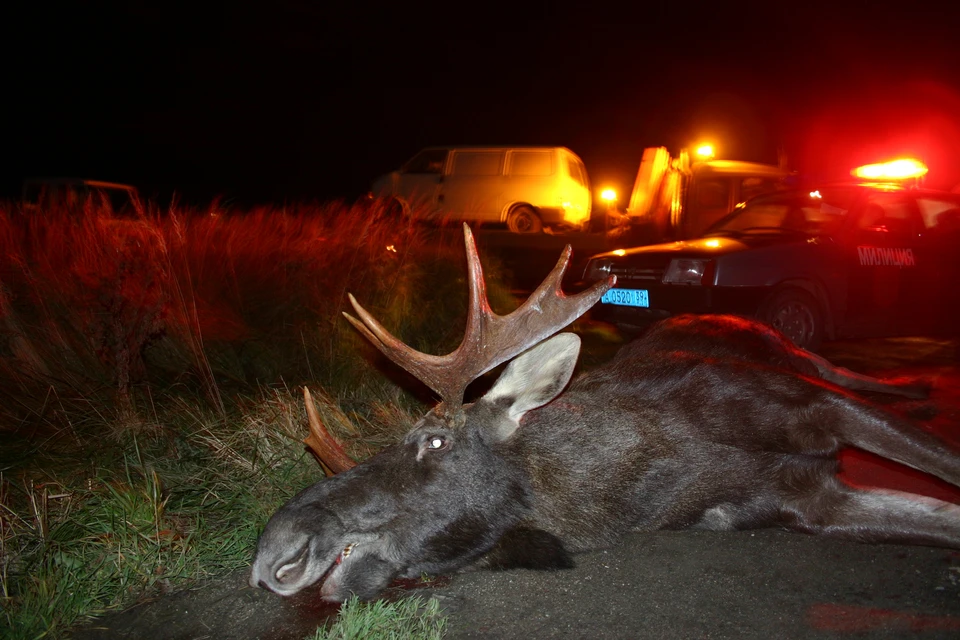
[445, 495]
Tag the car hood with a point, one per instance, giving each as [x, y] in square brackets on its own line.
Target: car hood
[707, 247]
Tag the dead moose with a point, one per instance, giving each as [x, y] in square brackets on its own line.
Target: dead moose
[715, 423]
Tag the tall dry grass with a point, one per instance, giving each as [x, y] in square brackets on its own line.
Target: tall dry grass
[150, 417]
[208, 301]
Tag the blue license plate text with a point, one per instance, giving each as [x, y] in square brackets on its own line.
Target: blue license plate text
[627, 297]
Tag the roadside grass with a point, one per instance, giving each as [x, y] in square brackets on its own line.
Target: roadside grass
[151, 413]
[144, 514]
[407, 619]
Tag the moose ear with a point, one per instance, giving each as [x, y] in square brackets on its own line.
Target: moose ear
[534, 378]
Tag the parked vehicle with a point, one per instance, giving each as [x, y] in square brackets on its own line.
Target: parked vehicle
[864, 259]
[46, 193]
[679, 198]
[527, 188]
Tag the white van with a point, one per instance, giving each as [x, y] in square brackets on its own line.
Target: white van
[525, 187]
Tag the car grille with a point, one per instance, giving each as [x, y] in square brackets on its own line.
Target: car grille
[637, 273]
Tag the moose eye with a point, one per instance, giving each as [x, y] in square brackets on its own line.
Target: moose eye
[436, 442]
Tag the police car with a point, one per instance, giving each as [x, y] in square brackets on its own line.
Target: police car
[869, 258]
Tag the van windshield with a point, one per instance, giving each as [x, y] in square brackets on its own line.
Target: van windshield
[427, 161]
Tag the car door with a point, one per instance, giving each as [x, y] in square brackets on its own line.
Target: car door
[420, 178]
[882, 265]
[934, 279]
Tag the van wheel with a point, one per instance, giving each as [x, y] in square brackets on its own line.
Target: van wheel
[796, 314]
[524, 220]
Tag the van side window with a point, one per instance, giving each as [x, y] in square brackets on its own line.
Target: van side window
[577, 171]
[427, 161]
[476, 163]
[531, 163]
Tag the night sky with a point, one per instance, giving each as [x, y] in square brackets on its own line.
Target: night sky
[290, 100]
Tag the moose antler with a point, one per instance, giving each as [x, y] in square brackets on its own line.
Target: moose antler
[490, 339]
[330, 452]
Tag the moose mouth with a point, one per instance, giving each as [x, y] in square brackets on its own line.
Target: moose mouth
[330, 580]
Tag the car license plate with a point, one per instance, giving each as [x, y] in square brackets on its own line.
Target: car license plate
[627, 297]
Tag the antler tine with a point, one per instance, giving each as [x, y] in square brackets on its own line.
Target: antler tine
[435, 371]
[427, 368]
[489, 339]
[322, 443]
[549, 303]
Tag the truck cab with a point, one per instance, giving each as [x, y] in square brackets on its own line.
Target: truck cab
[678, 199]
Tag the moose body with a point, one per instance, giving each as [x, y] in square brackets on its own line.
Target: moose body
[706, 422]
[671, 438]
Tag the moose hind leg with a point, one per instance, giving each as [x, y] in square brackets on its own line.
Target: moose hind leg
[915, 388]
[876, 515]
[864, 426]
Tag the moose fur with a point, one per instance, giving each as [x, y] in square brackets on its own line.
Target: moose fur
[705, 422]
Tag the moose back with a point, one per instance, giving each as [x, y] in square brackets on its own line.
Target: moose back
[706, 422]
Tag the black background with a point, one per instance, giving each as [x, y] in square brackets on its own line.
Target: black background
[290, 100]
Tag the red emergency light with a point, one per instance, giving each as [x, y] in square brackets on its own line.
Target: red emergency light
[902, 169]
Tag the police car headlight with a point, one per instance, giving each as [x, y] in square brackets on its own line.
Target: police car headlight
[685, 271]
[597, 270]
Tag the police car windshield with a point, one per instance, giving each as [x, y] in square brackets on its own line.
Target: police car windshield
[807, 212]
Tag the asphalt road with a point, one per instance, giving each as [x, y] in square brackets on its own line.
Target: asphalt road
[755, 584]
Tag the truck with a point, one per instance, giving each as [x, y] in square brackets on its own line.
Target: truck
[676, 198]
